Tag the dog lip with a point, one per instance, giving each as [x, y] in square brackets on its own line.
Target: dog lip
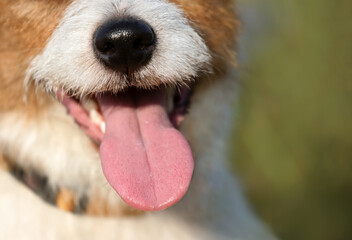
[81, 116]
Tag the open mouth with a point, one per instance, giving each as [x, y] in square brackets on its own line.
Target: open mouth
[144, 157]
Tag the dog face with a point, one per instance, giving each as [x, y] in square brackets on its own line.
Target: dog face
[122, 57]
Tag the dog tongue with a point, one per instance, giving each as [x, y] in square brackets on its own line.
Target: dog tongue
[144, 158]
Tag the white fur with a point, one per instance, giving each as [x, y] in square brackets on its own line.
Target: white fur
[68, 59]
[53, 145]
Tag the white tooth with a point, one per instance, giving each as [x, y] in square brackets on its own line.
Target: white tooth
[102, 127]
[95, 116]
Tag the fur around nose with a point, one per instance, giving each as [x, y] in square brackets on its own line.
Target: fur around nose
[124, 45]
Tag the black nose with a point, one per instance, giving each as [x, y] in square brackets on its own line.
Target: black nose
[124, 45]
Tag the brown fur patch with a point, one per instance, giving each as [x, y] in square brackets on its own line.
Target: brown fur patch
[4, 165]
[100, 206]
[217, 23]
[66, 200]
[25, 26]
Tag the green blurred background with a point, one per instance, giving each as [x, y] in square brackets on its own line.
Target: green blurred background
[292, 148]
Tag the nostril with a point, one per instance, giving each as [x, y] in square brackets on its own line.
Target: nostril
[145, 42]
[124, 44]
[106, 47]
[146, 38]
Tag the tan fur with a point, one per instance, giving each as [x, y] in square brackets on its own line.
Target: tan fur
[98, 205]
[25, 27]
[66, 200]
[216, 20]
[4, 165]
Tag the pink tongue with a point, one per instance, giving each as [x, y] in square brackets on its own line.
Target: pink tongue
[147, 161]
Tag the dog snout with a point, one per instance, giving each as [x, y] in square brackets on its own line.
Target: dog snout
[124, 45]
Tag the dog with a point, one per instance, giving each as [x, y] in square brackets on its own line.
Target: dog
[114, 116]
